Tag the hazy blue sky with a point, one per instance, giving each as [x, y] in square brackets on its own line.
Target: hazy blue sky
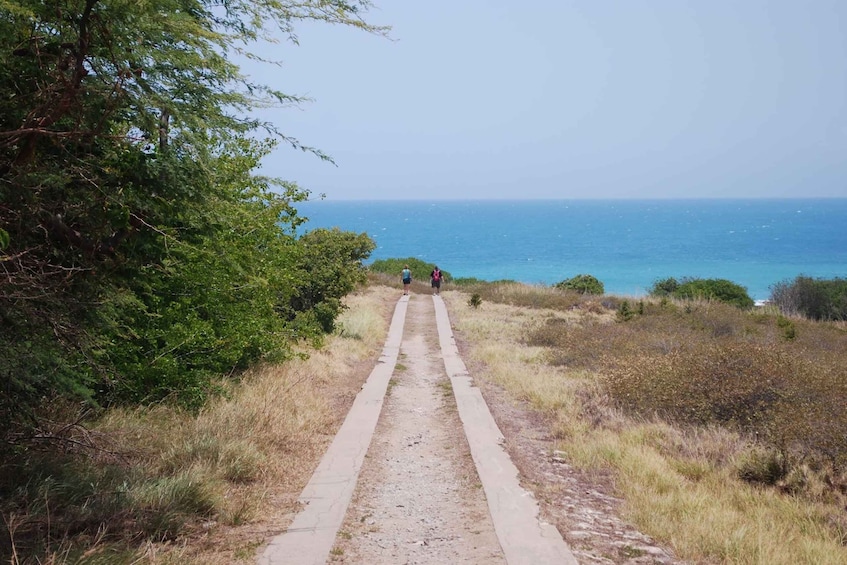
[572, 99]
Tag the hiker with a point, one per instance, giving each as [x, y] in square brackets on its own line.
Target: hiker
[436, 277]
[407, 279]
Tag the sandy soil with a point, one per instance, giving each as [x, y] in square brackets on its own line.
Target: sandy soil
[418, 498]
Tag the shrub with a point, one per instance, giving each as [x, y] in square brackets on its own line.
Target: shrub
[664, 287]
[789, 331]
[709, 289]
[764, 466]
[475, 300]
[583, 284]
[735, 384]
[818, 299]
[467, 281]
[331, 262]
[530, 296]
[625, 312]
[420, 269]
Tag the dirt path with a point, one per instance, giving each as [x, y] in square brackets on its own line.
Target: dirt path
[418, 498]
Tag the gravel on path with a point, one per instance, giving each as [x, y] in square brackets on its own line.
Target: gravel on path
[419, 498]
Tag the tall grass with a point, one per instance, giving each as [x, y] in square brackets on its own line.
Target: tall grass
[163, 474]
[713, 421]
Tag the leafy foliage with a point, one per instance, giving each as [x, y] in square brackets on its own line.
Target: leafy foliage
[330, 266]
[475, 300]
[140, 253]
[664, 287]
[420, 269]
[818, 299]
[625, 312]
[703, 289]
[583, 284]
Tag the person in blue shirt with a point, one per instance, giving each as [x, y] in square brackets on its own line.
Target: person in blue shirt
[407, 279]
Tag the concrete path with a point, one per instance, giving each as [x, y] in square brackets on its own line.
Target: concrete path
[310, 537]
[522, 536]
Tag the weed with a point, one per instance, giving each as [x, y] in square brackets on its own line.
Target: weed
[625, 313]
[629, 552]
[475, 300]
[764, 466]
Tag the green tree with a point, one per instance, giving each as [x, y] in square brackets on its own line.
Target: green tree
[140, 253]
[583, 284]
[331, 266]
[664, 287]
[714, 289]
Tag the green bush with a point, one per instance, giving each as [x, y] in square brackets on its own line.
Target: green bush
[475, 300]
[664, 287]
[715, 289]
[468, 281]
[420, 269]
[818, 299]
[789, 330]
[330, 267]
[703, 289]
[625, 312]
[583, 284]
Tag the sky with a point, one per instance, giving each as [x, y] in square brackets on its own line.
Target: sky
[474, 99]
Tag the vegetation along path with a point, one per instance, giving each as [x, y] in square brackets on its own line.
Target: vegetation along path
[436, 486]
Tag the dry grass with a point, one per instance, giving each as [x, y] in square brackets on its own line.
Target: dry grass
[681, 482]
[209, 486]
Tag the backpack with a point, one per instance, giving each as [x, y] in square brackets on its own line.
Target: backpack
[436, 275]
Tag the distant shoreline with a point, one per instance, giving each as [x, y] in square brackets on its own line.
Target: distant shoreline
[628, 244]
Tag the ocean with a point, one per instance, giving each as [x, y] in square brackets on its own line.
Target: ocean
[627, 244]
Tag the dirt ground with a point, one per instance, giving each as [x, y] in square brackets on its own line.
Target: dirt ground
[418, 498]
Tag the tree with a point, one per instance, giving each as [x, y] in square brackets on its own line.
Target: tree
[331, 267]
[818, 299]
[583, 284]
[714, 289]
[664, 287]
[138, 249]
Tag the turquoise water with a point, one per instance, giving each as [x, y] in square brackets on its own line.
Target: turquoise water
[627, 244]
